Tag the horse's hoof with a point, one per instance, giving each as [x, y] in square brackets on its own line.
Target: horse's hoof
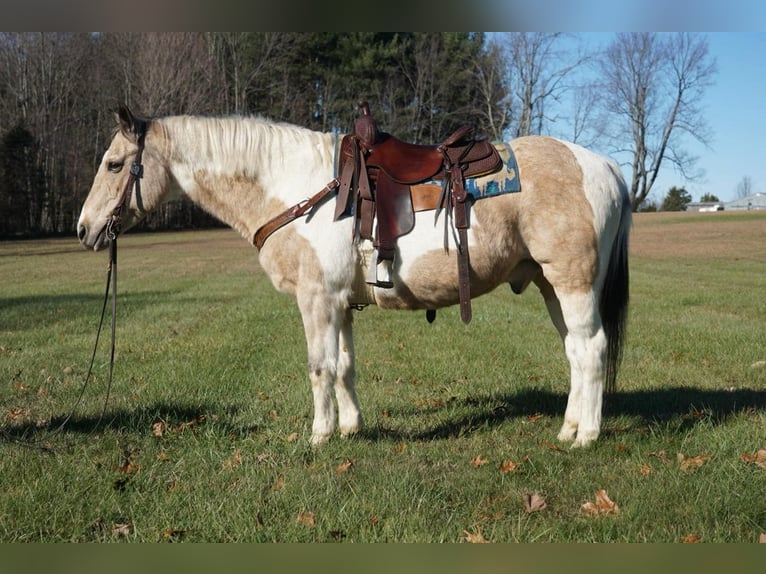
[568, 432]
[585, 439]
[318, 439]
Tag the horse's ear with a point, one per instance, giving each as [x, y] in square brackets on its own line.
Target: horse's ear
[125, 118]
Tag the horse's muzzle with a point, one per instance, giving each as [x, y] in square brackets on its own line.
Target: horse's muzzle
[89, 240]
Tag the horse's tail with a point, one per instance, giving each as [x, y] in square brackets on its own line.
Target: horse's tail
[615, 293]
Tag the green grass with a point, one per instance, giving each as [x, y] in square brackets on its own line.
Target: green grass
[206, 434]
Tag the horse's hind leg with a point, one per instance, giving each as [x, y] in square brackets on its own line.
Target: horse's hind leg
[349, 414]
[577, 318]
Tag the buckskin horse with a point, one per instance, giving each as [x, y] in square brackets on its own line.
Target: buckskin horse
[566, 230]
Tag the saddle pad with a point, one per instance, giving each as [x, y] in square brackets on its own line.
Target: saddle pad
[504, 181]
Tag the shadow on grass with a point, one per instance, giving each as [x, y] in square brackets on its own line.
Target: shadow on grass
[173, 418]
[680, 405]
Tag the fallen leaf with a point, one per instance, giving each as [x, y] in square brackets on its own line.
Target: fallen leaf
[691, 538]
[279, 484]
[173, 534]
[534, 502]
[479, 460]
[159, 428]
[602, 505]
[511, 466]
[646, 469]
[691, 463]
[551, 446]
[477, 538]
[535, 417]
[292, 437]
[307, 519]
[121, 529]
[759, 457]
[343, 467]
[234, 461]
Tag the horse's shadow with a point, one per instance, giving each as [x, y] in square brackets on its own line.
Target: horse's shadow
[173, 416]
[679, 407]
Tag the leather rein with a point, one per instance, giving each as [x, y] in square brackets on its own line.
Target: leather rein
[112, 229]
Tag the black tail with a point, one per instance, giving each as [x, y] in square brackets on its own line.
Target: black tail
[615, 294]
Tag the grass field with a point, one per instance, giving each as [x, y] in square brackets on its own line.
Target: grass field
[206, 433]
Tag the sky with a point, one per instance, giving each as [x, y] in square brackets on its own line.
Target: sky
[735, 113]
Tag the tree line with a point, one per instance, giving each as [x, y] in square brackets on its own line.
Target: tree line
[638, 96]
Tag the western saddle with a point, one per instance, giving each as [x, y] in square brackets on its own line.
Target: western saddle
[379, 187]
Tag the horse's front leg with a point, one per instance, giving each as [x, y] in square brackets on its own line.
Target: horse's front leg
[349, 413]
[328, 330]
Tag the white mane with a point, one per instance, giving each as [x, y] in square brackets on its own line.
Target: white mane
[245, 146]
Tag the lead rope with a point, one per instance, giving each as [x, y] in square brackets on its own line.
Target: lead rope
[111, 281]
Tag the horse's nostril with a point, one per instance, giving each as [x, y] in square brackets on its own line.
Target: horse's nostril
[81, 232]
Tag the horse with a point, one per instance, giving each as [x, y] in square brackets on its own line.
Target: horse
[566, 231]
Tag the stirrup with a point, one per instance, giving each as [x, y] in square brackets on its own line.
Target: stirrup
[380, 273]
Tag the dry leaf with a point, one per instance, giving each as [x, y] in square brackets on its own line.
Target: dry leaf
[234, 461]
[535, 417]
[121, 529]
[511, 466]
[534, 502]
[307, 519]
[278, 484]
[292, 437]
[551, 446]
[691, 463]
[173, 534]
[159, 428]
[759, 457]
[602, 505]
[691, 538]
[477, 538]
[646, 469]
[343, 467]
[478, 461]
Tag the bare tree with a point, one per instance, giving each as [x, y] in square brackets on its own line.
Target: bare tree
[653, 85]
[539, 69]
[744, 187]
[492, 81]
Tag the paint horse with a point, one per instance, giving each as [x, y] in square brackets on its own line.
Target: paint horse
[566, 231]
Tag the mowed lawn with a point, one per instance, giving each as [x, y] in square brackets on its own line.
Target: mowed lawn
[205, 436]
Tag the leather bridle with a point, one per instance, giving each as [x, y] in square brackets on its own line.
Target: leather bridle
[113, 229]
[114, 223]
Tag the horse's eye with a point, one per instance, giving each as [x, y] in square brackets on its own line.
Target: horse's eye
[114, 166]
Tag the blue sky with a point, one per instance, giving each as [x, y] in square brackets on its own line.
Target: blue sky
[735, 113]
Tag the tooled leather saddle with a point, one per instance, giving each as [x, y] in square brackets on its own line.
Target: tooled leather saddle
[379, 177]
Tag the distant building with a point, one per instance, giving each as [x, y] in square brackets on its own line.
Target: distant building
[755, 201]
[705, 206]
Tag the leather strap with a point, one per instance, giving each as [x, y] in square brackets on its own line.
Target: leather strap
[291, 214]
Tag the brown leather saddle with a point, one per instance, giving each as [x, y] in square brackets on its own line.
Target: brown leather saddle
[379, 177]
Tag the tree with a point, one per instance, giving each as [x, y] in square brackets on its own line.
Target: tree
[744, 187]
[676, 200]
[539, 68]
[653, 85]
[709, 198]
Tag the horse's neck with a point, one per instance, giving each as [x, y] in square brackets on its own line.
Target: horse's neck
[246, 171]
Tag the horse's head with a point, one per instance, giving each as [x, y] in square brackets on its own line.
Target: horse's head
[115, 190]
